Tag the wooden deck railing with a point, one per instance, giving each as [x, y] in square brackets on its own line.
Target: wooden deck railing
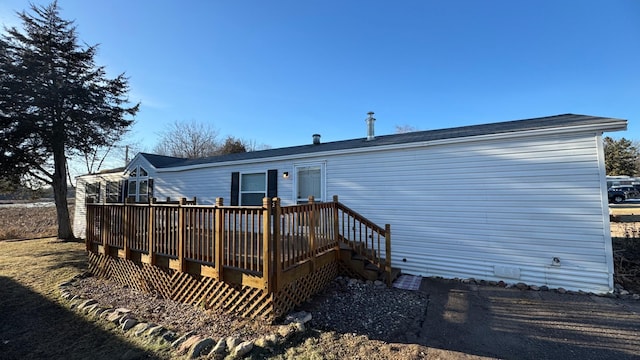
[264, 246]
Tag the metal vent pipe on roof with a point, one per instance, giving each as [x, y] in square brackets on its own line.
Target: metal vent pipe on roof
[370, 130]
[316, 139]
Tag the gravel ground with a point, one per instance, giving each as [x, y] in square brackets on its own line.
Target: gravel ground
[173, 315]
[353, 306]
[345, 306]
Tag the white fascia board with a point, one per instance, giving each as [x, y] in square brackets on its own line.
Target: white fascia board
[595, 129]
[137, 160]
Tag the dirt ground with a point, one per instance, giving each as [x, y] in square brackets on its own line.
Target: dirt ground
[28, 222]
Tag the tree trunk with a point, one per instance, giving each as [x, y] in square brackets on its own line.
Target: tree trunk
[59, 185]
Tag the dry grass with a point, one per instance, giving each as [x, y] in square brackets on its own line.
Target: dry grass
[41, 264]
[28, 222]
[36, 323]
[625, 209]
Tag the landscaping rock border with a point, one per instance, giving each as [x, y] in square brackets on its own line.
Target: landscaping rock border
[189, 345]
[618, 292]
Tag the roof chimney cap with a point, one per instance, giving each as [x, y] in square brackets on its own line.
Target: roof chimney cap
[370, 129]
[316, 139]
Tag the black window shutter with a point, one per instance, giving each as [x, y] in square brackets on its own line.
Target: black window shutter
[272, 184]
[235, 188]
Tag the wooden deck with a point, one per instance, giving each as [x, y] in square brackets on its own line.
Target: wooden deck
[255, 261]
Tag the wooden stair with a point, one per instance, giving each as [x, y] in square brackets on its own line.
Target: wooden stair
[362, 265]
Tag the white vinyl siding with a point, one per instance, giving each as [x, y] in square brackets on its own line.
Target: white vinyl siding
[80, 210]
[461, 210]
[473, 209]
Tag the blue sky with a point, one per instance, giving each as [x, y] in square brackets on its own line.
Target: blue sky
[278, 71]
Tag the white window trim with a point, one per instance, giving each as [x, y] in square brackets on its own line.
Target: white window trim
[137, 179]
[241, 192]
[323, 179]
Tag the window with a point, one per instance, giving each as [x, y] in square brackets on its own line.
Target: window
[113, 192]
[309, 182]
[140, 187]
[92, 193]
[143, 191]
[253, 187]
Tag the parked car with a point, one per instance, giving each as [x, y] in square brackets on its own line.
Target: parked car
[616, 196]
[630, 191]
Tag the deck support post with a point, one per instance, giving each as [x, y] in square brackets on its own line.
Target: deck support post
[336, 226]
[125, 234]
[312, 232]
[277, 248]
[151, 232]
[103, 230]
[219, 226]
[181, 235]
[266, 246]
[88, 222]
[387, 252]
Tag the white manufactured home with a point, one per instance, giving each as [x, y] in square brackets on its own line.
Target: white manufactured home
[518, 201]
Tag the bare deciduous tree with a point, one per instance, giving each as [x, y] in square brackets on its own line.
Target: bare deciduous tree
[188, 140]
[252, 145]
[401, 129]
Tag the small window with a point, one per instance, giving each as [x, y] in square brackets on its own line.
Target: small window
[253, 188]
[113, 192]
[133, 189]
[92, 193]
[144, 191]
[143, 172]
[309, 180]
[134, 173]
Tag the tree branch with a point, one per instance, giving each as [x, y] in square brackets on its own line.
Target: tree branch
[37, 176]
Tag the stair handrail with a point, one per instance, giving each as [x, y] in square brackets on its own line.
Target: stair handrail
[385, 232]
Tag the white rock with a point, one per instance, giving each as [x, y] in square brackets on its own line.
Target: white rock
[114, 317]
[140, 328]
[301, 317]
[232, 342]
[181, 339]
[200, 348]
[155, 331]
[242, 349]
[266, 341]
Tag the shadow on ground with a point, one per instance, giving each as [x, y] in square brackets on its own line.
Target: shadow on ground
[514, 324]
[33, 327]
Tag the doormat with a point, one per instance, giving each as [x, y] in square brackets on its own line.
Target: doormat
[408, 282]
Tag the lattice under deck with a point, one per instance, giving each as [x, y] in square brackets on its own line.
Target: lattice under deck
[212, 294]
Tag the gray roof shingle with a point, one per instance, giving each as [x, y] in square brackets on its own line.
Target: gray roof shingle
[565, 120]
